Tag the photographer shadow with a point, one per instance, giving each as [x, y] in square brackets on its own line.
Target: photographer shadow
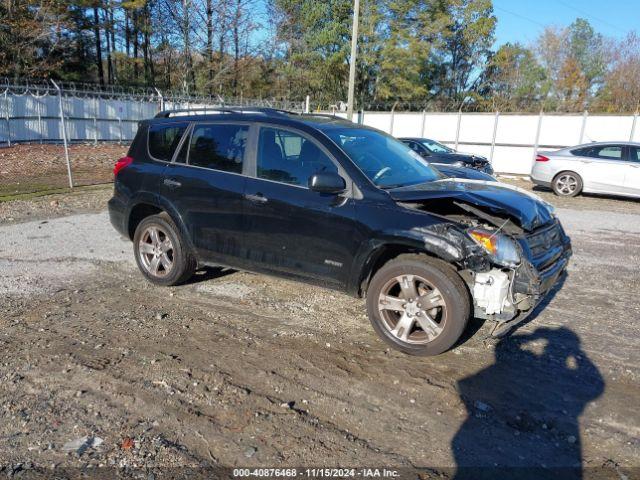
[523, 410]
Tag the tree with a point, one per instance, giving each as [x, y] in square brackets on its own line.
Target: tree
[621, 88]
[574, 59]
[466, 43]
[513, 80]
[406, 47]
[31, 36]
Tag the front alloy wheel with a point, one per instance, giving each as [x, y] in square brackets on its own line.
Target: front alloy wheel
[418, 304]
[412, 309]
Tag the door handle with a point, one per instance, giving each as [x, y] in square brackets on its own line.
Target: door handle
[258, 198]
[172, 183]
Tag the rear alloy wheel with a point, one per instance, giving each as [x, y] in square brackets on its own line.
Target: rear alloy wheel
[160, 253]
[156, 251]
[567, 184]
[418, 304]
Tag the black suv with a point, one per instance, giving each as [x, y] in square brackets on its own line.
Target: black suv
[322, 200]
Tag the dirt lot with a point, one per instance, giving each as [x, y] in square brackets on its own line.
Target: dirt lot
[237, 369]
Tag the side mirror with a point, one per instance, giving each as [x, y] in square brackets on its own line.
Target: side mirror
[327, 182]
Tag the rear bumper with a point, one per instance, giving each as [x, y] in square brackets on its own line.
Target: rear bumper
[117, 216]
[542, 174]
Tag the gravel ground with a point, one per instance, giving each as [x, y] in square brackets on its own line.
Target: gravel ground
[100, 369]
[81, 200]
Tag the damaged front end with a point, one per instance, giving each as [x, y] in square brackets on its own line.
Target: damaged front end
[508, 268]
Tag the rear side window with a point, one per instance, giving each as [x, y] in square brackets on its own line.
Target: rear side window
[635, 154]
[582, 152]
[219, 147]
[163, 140]
[288, 157]
[611, 152]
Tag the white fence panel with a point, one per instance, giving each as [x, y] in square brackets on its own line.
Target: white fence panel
[607, 127]
[560, 130]
[407, 125]
[441, 126]
[517, 129]
[476, 128]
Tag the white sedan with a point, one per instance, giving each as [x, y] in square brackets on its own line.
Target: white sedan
[604, 167]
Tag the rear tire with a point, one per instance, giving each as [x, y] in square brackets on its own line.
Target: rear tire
[418, 304]
[567, 184]
[161, 254]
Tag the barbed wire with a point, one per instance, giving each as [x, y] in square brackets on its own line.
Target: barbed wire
[43, 87]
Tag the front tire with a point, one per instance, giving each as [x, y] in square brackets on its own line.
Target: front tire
[161, 254]
[567, 184]
[418, 304]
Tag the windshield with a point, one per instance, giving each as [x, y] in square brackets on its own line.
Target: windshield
[387, 162]
[435, 147]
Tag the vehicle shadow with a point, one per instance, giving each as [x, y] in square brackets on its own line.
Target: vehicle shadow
[209, 273]
[523, 411]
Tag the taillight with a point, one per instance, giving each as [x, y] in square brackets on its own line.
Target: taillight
[122, 163]
[541, 158]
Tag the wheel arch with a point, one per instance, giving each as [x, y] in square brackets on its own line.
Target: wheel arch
[383, 253]
[146, 206]
[138, 213]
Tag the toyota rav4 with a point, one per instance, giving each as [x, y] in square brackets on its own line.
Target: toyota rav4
[322, 200]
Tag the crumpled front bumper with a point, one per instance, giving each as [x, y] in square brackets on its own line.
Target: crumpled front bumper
[538, 287]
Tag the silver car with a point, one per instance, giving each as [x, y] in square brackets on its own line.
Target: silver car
[603, 167]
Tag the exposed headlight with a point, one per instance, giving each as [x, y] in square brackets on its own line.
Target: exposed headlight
[501, 248]
[459, 164]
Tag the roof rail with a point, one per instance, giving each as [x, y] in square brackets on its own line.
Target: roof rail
[213, 110]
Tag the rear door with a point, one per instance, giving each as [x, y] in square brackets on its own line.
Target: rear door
[290, 228]
[205, 185]
[603, 167]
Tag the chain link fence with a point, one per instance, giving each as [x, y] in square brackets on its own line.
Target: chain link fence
[61, 135]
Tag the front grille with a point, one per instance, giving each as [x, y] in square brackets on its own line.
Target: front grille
[545, 245]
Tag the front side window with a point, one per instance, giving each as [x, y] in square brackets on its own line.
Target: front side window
[218, 147]
[635, 154]
[163, 140]
[288, 157]
[387, 162]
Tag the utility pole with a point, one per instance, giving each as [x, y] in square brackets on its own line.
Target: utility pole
[352, 66]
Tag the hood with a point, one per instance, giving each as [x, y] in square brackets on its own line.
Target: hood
[462, 157]
[528, 210]
[463, 172]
